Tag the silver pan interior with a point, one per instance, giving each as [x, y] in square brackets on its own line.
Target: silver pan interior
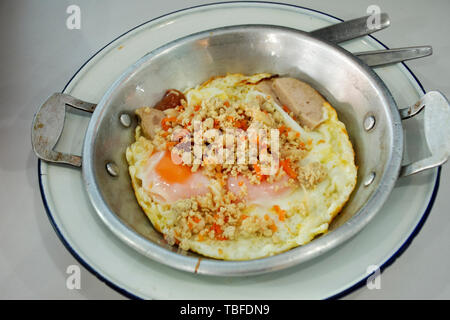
[353, 89]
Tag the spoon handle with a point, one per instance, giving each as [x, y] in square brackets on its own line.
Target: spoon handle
[351, 29]
[383, 57]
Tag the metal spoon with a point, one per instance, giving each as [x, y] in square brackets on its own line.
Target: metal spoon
[384, 57]
[350, 29]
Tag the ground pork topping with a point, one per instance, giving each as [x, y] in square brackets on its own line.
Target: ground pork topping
[217, 218]
[224, 127]
[223, 151]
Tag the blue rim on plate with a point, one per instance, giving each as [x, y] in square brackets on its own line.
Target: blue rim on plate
[345, 292]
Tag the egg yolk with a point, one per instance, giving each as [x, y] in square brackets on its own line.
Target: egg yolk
[171, 172]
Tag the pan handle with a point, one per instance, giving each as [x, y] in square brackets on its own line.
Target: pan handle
[48, 124]
[437, 131]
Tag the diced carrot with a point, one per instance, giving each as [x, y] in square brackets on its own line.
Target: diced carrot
[286, 165]
[241, 183]
[196, 219]
[261, 176]
[216, 228]
[190, 226]
[226, 103]
[197, 107]
[171, 144]
[241, 124]
[164, 121]
[281, 213]
[284, 129]
[243, 217]
[286, 109]
[218, 232]
[187, 124]
[230, 118]
[273, 227]
[297, 134]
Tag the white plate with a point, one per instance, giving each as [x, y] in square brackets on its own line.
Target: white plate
[332, 274]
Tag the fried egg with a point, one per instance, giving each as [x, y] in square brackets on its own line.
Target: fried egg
[295, 215]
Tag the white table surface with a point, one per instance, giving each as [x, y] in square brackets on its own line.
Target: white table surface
[39, 55]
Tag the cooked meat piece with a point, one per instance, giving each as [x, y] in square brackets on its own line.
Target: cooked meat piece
[265, 86]
[171, 99]
[150, 119]
[300, 98]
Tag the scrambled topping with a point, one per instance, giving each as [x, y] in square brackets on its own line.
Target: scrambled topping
[217, 218]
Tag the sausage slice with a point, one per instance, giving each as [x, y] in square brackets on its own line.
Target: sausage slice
[265, 87]
[150, 120]
[300, 98]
